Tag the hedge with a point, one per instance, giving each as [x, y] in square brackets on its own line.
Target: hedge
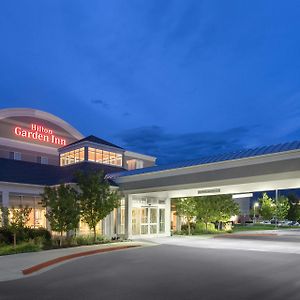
[24, 235]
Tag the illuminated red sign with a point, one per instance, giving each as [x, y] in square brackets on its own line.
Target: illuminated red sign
[40, 133]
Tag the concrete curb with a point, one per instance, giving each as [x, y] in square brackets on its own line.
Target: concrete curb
[244, 235]
[54, 261]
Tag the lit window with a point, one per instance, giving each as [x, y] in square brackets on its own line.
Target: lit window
[104, 157]
[133, 164]
[72, 157]
[139, 164]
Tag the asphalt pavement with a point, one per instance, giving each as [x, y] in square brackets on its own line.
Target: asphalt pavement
[167, 272]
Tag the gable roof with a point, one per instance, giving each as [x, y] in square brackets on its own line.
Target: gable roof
[93, 139]
[240, 154]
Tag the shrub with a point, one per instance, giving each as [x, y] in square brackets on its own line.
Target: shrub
[211, 228]
[6, 236]
[23, 247]
[39, 235]
[35, 233]
[184, 228]
[88, 240]
[200, 227]
[80, 240]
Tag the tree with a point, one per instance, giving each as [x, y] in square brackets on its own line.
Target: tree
[226, 208]
[97, 199]
[267, 207]
[282, 207]
[294, 211]
[206, 209]
[4, 213]
[186, 208]
[19, 218]
[63, 208]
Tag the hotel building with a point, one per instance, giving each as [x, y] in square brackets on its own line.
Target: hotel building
[38, 149]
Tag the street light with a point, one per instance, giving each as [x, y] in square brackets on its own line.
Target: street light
[256, 204]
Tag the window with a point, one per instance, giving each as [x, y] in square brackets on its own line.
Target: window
[104, 157]
[139, 164]
[72, 157]
[15, 155]
[133, 164]
[42, 160]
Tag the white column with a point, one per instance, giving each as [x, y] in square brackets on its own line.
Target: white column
[178, 223]
[118, 221]
[128, 219]
[103, 226]
[5, 198]
[111, 224]
[168, 217]
[5, 203]
[108, 225]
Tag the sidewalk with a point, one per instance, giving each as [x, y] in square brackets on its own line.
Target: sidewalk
[11, 266]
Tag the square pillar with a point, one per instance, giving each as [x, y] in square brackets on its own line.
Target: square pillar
[168, 217]
[118, 221]
[5, 204]
[5, 198]
[128, 219]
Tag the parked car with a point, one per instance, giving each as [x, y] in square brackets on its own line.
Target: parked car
[266, 222]
[293, 223]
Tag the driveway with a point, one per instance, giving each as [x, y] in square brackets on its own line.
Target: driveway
[166, 272]
[281, 241]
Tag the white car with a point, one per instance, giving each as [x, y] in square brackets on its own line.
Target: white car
[266, 222]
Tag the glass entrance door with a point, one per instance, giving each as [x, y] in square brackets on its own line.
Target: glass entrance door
[152, 220]
[148, 219]
[144, 220]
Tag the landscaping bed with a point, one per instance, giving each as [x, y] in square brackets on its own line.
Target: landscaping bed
[33, 240]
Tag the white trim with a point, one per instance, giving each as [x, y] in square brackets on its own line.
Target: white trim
[240, 196]
[284, 180]
[21, 184]
[139, 155]
[29, 112]
[73, 146]
[28, 146]
[212, 166]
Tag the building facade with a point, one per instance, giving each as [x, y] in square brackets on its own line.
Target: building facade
[38, 149]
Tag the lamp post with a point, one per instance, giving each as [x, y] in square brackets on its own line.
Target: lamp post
[254, 215]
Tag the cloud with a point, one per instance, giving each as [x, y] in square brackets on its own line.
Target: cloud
[100, 102]
[169, 147]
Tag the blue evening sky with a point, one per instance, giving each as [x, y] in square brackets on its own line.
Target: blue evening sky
[176, 79]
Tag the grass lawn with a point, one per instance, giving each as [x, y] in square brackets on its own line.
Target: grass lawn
[251, 227]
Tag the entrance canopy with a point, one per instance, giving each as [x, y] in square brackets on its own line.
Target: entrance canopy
[260, 169]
